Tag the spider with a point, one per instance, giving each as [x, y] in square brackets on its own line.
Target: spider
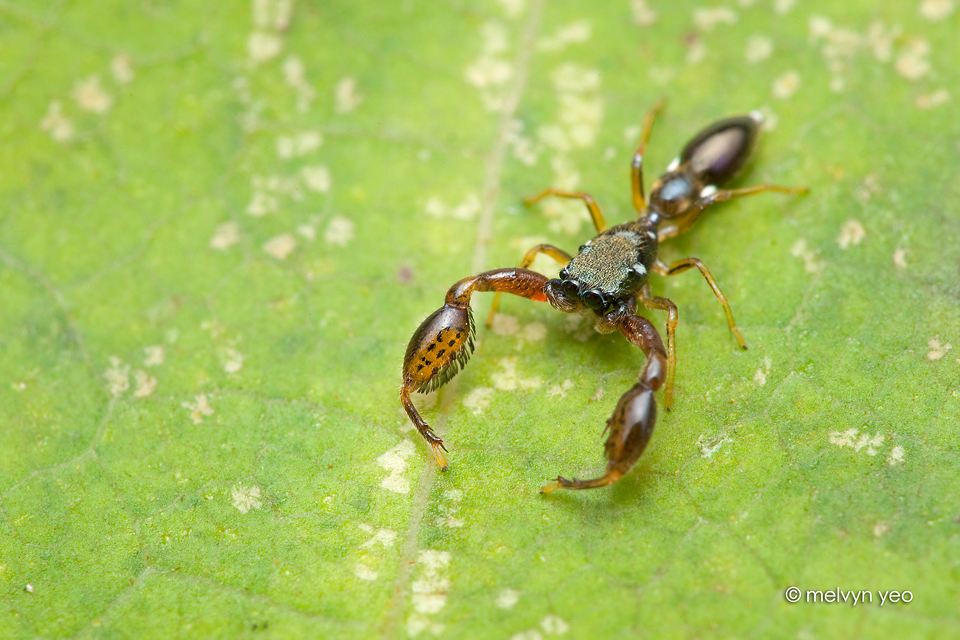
[605, 281]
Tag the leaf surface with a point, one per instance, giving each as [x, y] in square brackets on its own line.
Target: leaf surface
[223, 223]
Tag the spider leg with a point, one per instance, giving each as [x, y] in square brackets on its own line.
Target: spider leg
[556, 253]
[636, 166]
[631, 424]
[673, 316]
[595, 214]
[443, 343]
[687, 263]
[729, 194]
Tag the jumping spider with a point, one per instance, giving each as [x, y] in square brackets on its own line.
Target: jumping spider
[605, 281]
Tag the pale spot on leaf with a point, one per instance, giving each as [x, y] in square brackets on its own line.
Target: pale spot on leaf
[245, 498]
[261, 204]
[524, 150]
[786, 85]
[263, 46]
[307, 231]
[281, 246]
[339, 231]
[298, 144]
[467, 209]
[487, 72]
[573, 78]
[533, 332]
[316, 178]
[554, 626]
[759, 48]
[912, 62]
[851, 233]
[696, 51]
[493, 34]
[346, 95]
[560, 390]
[575, 32]
[431, 587]
[122, 69]
[294, 72]
[934, 99]
[478, 400]
[364, 572]
[417, 624]
[935, 10]
[896, 456]
[709, 446]
[198, 408]
[56, 123]
[782, 7]
[937, 350]
[508, 380]
[513, 8]
[225, 236]
[117, 376]
[272, 14]
[643, 15]
[383, 537]
[90, 96]
[819, 27]
[146, 384]
[450, 509]
[507, 598]
[809, 256]
[880, 40]
[395, 461]
[233, 361]
[853, 439]
[707, 19]
[295, 75]
[435, 207]
[504, 325]
[900, 258]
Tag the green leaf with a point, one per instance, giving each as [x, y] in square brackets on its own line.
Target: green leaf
[223, 223]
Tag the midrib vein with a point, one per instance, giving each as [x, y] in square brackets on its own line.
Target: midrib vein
[491, 193]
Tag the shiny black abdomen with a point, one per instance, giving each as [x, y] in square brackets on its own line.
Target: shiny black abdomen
[718, 153]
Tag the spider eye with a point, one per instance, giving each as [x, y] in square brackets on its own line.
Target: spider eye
[570, 288]
[564, 274]
[594, 300]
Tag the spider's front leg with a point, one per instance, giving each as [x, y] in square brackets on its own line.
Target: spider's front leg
[631, 424]
[443, 343]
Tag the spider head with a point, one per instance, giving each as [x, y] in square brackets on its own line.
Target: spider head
[570, 294]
